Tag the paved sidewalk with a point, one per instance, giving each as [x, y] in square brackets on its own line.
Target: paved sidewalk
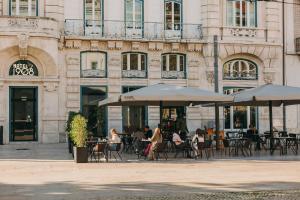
[47, 172]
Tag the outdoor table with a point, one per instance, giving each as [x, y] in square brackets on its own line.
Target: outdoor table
[238, 144]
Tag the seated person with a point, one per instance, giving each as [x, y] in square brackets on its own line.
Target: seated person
[148, 132]
[155, 140]
[180, 143]
[138, 136]
[114, 139]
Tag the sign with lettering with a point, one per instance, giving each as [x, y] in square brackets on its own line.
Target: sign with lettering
[23, 68]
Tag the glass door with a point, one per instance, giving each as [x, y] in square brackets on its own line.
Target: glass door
[173, 19]
[23, 120]
[93, 17]
[134, 18]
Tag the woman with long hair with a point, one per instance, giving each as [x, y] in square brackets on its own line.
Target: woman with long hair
[155, 140]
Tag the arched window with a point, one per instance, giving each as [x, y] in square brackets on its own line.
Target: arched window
[23, 68]
[93, 64]
[134, 65]
[241, 13]
[240, 69]
[173, 66]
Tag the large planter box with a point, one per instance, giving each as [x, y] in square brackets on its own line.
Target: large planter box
[80, 154]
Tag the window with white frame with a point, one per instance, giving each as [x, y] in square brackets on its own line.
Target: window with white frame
[23, 7]
[239, 117]
[240, 69]
[173, 9]
[93, 16]
[93, 64]
[241, 13]
[134, 65]
[173, 66]
[134, 13]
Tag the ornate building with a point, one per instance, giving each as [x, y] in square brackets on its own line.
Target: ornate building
[65, 55]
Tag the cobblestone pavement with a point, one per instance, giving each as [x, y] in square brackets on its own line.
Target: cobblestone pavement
[34, 171]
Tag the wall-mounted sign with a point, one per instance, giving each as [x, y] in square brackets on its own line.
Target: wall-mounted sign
[23, 68]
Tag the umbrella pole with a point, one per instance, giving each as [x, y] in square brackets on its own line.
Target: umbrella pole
[217, 118]
[160, 114]
[271, 127]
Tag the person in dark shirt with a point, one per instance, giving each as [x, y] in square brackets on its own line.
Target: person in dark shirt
[148, 132]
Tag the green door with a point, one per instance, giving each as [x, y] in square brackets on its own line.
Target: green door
[23, 111]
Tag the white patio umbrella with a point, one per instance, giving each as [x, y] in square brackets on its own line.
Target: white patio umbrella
[268, 95]
[165, 95]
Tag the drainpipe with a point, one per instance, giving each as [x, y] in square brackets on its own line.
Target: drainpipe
[283, 61]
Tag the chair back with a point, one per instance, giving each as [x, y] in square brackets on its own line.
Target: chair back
[201, 145]
[161, 147]
[114, 146]
[226, 143]
[100, 147]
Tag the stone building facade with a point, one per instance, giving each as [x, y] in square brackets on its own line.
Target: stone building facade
[64, 55]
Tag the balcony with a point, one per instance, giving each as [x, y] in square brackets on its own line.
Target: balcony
[173, 75]
[134, 74]
[131, 30]
[297, 45]
[240, 76]
[34, 26]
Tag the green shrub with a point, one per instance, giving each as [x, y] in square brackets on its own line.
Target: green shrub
[71, 115]
[78, 130]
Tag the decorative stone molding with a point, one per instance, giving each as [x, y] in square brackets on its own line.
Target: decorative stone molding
[50, 87]
[28, 23]
[135, 45]
[114, 45]
[73, 44]
[243, 32]
[175, 46]
[156, 46]
[194, 47]
[77, 44]
[94, 45]
[23, 45]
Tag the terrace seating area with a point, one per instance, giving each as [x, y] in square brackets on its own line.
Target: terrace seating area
[227, 145]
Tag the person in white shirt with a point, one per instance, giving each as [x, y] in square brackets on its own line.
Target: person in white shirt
[198, 137]
[180, 143]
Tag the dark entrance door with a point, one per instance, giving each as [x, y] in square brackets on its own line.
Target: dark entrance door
[23, 119]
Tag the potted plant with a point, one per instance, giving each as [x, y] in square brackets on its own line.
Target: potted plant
[70, 143]
[79, 135]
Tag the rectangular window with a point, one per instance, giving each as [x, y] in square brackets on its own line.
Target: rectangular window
[93, 17]
[134, 61]
[90, 96]
[173, 62]
[173, 15]
[93, 65]
[23, 7]
[241, 13]
[134, 13]
[173, 119]
[134, 117]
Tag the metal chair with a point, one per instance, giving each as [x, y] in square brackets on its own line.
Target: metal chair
[115, 149]
[161, 149]
[99, 150]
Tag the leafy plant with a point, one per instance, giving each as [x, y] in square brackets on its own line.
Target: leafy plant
[78, 130]
[71, 115]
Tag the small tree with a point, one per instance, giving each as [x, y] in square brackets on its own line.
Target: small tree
[71, 115]
[79, 131]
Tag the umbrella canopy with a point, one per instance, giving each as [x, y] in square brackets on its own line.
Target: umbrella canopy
[263, 95]
[164, 94]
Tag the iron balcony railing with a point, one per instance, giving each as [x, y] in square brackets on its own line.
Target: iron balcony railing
[134, 73]
[173, 74]
[132, 30]
[297, 45]
[240, 76]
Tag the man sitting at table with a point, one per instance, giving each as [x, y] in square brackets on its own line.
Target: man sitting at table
[148, 132]
[138, 136]
[180, 143]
